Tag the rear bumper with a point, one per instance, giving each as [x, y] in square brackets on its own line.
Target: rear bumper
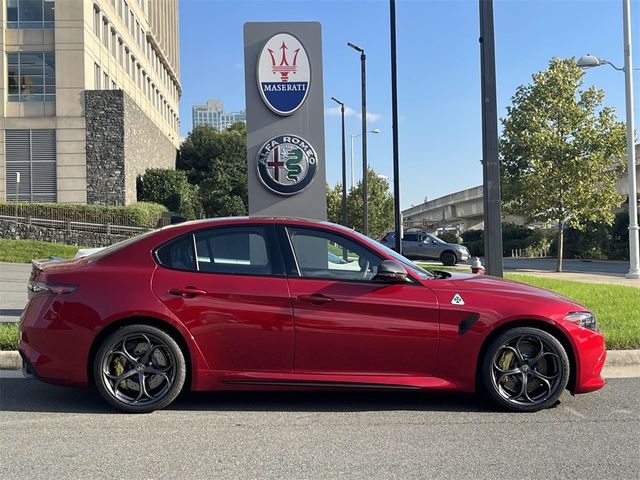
[52, 349]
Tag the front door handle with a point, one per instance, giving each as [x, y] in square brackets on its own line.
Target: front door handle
[187, 292]
[315, 299]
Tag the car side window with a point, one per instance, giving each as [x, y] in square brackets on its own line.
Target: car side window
[178, 254]
[241, 250]
[322, 254]
[410, 237]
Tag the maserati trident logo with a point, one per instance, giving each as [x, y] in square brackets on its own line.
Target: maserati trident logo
[284, 74]
[287, 164]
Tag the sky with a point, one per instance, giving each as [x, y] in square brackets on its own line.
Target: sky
[440, 130]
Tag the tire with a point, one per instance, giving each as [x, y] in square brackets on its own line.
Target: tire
[448, 259]
[136, 356]
[525, 370]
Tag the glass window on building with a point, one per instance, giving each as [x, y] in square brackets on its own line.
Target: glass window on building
[105, 81]
[105, 32]
[96, 22]
[30, 14]
[114, 43]
[31, 76]
[97, 76]
[32, 154]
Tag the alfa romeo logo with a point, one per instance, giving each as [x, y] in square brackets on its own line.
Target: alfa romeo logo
[287, 164]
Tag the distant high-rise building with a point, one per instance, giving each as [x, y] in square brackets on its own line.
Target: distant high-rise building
[90, 93]
[212, 113]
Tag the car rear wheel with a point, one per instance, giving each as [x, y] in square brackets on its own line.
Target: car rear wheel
[449, 259]
[139, 369]
[525, 370]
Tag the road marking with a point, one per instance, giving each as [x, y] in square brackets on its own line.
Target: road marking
[576, 413]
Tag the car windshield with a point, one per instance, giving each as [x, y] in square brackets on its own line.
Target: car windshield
[434, 239]
[415, 269]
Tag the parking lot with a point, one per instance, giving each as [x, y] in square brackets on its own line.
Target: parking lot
[55, 432]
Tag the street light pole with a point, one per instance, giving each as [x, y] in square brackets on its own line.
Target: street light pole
[353, 185]
[394, 107]
[590, 61]
[365, 198]
[634, 249]
[344, 165]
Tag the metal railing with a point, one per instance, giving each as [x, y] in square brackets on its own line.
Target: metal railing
[70, 225]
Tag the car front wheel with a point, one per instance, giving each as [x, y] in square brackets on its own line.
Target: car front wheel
[525, 370]
[139, 369]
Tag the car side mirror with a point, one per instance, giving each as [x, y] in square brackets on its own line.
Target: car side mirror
[390, 271]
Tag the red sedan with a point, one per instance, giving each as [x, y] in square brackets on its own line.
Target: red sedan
[264, 303]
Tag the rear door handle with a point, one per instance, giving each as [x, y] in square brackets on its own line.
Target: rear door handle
[315, 299]
[187, 292]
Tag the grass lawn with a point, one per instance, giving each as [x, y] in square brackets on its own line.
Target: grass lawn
[23, 251]
[8, 336]
[616, 307]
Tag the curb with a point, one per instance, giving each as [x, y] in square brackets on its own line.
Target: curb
[10, 360]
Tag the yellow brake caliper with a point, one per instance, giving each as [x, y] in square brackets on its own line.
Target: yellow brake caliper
[504, 363]
[119, 370]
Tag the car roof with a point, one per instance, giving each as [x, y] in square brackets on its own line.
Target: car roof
[258, 219]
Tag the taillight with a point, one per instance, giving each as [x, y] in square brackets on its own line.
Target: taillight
[38, 289]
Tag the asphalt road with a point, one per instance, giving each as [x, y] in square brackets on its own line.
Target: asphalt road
[53, 432]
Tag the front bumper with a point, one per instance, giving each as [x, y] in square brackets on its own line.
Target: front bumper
[591, 354]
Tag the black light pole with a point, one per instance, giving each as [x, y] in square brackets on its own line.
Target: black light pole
[490, 164]
[344, 166]
[394, 107]
[365, 198]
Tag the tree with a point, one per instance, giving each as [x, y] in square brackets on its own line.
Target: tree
[171, 189]
[334, 203]
[217, 163]
[380, 205]
[557, 150]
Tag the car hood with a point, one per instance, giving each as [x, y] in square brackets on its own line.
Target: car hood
[506, 287]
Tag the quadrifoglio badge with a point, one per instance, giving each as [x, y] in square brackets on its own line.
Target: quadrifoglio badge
[287, 164]
[284, 74]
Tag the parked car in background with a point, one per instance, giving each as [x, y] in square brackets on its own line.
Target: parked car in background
[418, 245]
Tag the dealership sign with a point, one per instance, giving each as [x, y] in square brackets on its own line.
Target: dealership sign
[287, 164]
[284, 74]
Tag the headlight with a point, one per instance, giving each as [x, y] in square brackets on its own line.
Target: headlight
[584, 319]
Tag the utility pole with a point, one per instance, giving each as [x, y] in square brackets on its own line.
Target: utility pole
[490, 162]
[394, 107]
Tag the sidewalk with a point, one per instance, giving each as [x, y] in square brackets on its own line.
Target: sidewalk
[609, 279]
[13, 290]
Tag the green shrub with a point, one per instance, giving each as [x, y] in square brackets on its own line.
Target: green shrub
[172, 189]
[137, 214]
[449, 237]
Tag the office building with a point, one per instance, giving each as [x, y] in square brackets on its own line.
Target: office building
[90, 92]
[212, 113]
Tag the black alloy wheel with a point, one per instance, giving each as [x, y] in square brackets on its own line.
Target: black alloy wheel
[525, 370]
[139, 369]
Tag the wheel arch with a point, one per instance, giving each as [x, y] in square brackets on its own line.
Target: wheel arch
[548, 327]
[144, 320]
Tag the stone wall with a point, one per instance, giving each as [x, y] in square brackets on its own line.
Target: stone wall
[24, 231]
[104, 114]
[122, 143]
[145, 146]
